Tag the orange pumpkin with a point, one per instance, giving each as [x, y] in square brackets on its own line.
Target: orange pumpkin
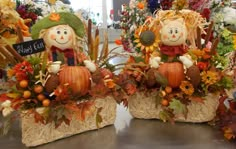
[174, 72]
[78, 78]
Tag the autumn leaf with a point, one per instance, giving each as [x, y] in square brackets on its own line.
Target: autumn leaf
[99, 90]
[228, 133]
[38, 118]
[161, 79]
[130, 89]
[178, 107]
[197, 99]
[85, 109]
[166, 115]
[4, 97]
[98, 117]
[13, 95]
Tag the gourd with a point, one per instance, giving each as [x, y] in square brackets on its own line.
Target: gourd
[78, 78]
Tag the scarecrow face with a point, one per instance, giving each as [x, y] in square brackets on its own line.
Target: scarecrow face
[60, 36]
[173, 32]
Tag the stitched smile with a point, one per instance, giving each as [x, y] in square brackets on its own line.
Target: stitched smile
[62, 42]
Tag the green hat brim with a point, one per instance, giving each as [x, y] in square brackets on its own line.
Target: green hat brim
[66, 18]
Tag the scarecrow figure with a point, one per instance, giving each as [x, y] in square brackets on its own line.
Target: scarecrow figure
[61, 33]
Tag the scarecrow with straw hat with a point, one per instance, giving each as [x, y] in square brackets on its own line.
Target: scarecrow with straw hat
[62, 33]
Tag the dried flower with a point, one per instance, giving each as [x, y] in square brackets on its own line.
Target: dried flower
[209, 77]
[187, 87]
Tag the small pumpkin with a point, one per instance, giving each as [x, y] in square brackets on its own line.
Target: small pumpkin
[78, 78]
[174, 73]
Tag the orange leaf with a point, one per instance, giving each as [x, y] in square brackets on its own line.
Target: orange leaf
[228, 133]
[197, 99]
[55, 17]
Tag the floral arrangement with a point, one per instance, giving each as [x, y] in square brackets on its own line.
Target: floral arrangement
[177, 73]
[40, 87]
[33, 11]
[10, 20]
[132, 17]
[221, 14]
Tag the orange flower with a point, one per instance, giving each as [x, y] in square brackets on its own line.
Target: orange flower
[209, 77]
[55, 17]
[140, 5]
[187, 87]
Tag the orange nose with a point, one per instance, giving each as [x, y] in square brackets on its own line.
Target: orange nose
[62, 37]
[173, 36]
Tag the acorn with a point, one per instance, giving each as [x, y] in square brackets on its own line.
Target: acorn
[193, 73]
[52, 83]
[151, 79]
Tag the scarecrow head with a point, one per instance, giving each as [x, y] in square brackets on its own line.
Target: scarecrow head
[61, 33]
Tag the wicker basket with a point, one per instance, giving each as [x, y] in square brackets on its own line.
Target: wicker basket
[34, 134]
[143, 106]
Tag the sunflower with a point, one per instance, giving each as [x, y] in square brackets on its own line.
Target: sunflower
[209, 77]
[187, 87]
[146, 38]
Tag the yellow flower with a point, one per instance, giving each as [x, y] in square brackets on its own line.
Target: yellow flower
[187, 87]
[147, 38]
[209, 77]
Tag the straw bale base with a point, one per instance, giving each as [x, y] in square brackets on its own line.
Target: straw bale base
[34, 134]
[144, 107]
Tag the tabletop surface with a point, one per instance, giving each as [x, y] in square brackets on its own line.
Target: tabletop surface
[131, 133]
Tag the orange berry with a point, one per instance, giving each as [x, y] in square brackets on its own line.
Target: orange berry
[41, 97]
[38, 89]
[164, 102]
[168, 89]
[46, 102]
[26, 94]
[23, 83]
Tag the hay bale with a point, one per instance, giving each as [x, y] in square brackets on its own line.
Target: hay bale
[34, 134]
[144, 107]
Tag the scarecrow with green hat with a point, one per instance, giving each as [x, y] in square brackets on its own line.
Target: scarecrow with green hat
[61, 33]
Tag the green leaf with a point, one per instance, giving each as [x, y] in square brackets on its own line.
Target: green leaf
[178, 107]
[5, 126]
[98, 117]
[161, 79]
[158, 99]
[138, 59]
[166, 115]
